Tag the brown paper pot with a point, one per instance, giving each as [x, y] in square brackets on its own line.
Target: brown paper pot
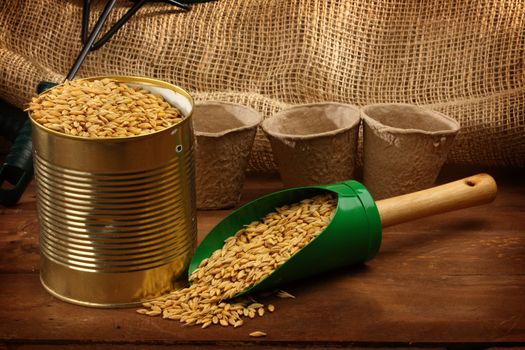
[314, 143]
[404, 147]
[224, 135]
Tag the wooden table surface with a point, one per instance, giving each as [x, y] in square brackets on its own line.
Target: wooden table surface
[452, 280]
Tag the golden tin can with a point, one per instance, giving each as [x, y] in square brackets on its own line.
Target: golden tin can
[117, 215]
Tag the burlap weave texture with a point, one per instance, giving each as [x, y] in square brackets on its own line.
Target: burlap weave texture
[463, 58]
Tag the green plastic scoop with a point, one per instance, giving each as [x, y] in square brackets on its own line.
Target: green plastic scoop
[354, 234]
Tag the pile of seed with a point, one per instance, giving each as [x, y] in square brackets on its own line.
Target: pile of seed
[102, 108]
[245, 259]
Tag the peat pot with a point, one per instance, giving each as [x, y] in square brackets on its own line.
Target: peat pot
[224, 136]
[404, 147]
[314, 144]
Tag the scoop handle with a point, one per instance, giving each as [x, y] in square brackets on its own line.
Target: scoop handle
[468, 192]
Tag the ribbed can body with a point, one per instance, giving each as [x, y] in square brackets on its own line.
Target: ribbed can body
[116, 216]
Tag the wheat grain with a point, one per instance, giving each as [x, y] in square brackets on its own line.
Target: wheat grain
[258, 334]
[285, 295]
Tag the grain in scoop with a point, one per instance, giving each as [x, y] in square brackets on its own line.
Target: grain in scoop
[245, 259]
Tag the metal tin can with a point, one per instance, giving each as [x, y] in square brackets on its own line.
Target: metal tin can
[117, 215]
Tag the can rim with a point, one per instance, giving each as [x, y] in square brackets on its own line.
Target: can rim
[124, 79]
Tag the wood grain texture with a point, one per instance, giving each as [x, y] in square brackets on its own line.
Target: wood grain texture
[452, 279]
[465, 193]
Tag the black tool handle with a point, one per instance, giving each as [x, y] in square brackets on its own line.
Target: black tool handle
[17, 170]
[44, 85]
[137, 4]
[11, 121]
[91, 39]
[85, 21]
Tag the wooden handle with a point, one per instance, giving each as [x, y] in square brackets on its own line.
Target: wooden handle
[467, 192]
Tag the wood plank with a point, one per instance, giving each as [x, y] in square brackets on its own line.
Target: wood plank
[343, 307]
[457, 278]
[195, 346]
[484, 239]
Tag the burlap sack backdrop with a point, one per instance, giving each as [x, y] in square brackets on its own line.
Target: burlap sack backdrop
[464, 58]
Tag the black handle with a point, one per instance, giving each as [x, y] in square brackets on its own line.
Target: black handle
[17, 170]
[11, 121]
[85, 21]
[137, 4]
[44, 85]
[91, 39]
